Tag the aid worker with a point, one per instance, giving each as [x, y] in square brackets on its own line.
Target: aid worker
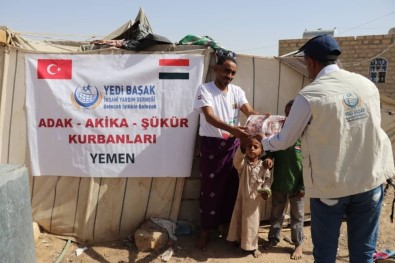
[346, 155]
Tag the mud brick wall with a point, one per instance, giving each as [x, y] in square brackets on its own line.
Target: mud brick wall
[357, 52]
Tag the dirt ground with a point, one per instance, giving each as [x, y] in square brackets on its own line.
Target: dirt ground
[49, 248]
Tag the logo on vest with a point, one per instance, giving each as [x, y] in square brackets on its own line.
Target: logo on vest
[354, 109]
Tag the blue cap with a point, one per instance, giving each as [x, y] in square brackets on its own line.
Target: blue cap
[322, 47]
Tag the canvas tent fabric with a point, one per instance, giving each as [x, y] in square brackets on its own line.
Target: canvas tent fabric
[388, 117]
[84, 209]
[103, 209]
[10, 38]
[137, 30]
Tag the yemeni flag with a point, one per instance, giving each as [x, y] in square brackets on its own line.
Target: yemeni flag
[178, 63]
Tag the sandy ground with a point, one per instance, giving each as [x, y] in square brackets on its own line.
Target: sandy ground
[49, 248]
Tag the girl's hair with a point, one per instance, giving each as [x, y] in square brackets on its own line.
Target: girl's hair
[289, 103]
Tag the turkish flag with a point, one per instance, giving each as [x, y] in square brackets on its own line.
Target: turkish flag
[54, 68]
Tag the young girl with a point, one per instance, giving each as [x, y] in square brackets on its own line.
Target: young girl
[254, 182]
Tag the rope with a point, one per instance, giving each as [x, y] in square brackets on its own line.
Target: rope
[63, 252]
[53, 34]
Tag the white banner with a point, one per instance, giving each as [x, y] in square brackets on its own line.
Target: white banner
[112, 115]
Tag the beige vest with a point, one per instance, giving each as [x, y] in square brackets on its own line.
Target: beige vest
[345, 151]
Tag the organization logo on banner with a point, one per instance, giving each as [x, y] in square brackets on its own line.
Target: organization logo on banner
[86, 97]
[54, 68]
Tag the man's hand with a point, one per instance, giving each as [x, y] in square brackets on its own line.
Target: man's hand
[240, 132]
[212, 119]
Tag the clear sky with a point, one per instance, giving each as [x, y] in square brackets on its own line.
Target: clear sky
[247, 27]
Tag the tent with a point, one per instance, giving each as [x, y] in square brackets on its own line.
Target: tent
[99, 209]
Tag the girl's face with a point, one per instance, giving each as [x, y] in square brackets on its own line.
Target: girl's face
[254, 149]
